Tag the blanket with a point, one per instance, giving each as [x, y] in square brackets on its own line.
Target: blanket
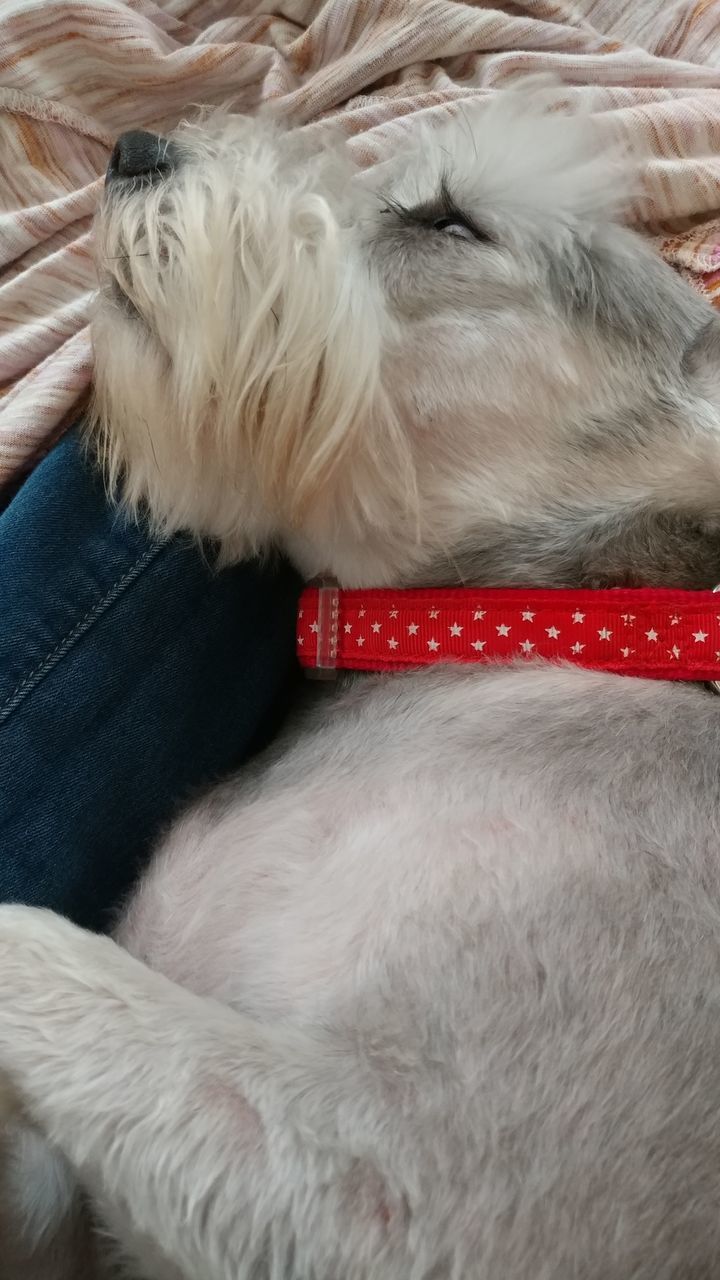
[75, 73]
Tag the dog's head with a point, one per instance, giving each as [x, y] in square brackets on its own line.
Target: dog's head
[458, 366]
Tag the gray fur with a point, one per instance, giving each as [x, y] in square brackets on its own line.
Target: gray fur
[569, 549]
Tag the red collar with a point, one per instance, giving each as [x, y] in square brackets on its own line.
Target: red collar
[664, 635]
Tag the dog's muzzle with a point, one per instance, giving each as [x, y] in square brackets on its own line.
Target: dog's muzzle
[141, 158]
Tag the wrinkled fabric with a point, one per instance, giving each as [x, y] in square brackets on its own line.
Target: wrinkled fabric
[132, 675]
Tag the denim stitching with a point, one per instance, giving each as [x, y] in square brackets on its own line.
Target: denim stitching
[101, 606]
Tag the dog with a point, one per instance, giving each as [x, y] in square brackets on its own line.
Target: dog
[432, 990]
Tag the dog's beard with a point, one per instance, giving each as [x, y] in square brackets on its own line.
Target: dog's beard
[238, 360]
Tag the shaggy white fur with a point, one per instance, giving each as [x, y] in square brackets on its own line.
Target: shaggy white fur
[272, 319]
[432, 991]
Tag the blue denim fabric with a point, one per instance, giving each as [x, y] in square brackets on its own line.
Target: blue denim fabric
[131, 674]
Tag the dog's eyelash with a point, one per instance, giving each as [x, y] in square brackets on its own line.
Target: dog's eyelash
[442, 209]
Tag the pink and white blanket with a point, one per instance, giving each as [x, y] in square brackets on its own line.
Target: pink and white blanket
[75, 73]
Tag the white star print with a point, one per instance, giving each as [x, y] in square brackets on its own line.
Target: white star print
[478, 615]
[651, 634]
[392, 643]
[604, 634]
[528, 615]
[700, 636]
[433, 613]
[627, 618]
[393, 613]
[300, 613]
[552, 632]
[674, 620]
[361, 613]
[300, 640]
[502, 630]
[480, 644]
[413, 629]
[361, 640]
[348, 628]
[626, 652]
[433, 645]
[577, 647]
[527, 646]
[578, 617]
[674, 652]
[455, 629]
[314, 627]
[376, 627]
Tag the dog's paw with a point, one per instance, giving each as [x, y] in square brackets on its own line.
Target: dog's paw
[29, 925]
[28, 940]
[47, 966]
[35, 943]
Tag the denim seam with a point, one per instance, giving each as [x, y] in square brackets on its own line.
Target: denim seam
[31, 681]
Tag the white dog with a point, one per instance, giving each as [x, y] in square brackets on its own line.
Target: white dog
[433, 992]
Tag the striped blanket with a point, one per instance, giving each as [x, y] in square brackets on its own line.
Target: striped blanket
[75, 73]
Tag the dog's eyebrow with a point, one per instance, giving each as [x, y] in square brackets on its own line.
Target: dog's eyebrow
[429, 212]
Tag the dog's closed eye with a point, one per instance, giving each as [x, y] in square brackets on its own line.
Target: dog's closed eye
[442, 214]
[455, 225]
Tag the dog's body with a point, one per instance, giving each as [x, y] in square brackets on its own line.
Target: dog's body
[434, 990]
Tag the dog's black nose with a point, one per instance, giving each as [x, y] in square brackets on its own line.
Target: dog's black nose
[138, 154]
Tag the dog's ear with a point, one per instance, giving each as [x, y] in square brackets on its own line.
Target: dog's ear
[701, 361]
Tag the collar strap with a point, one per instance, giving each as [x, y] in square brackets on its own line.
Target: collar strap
[660, 634]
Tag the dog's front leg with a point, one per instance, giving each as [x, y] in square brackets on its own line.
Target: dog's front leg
[201, 1127]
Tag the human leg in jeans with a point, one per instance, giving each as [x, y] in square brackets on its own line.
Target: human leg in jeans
[131, 675]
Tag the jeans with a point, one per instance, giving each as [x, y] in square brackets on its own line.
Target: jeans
[132, 674]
